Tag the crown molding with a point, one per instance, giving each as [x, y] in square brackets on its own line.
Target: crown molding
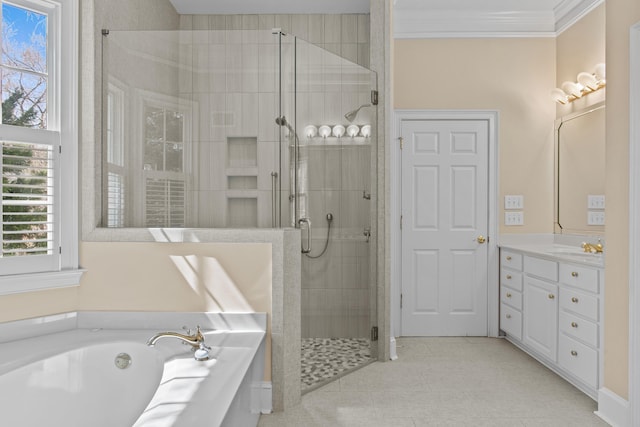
[449, 23]
[568, 12]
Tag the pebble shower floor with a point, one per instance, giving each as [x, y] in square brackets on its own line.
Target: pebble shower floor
[327, 358]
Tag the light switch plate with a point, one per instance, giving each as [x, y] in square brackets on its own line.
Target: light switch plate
[514, 218]
[595, 218]
[595, 201]
[514, 202]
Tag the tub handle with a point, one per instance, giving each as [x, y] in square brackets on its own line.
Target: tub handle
[308, 222]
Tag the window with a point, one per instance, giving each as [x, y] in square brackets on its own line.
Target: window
[39, 144]
[163, 166]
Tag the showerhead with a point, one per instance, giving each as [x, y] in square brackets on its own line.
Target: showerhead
[351, 115]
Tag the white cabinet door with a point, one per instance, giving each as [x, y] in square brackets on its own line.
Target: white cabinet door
[540, 312]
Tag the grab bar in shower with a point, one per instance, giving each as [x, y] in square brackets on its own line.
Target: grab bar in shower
[308, 222]
[274, 199]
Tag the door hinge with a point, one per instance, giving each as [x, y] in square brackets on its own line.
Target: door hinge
[59, 249]
[400, 300]
[374, 97]
[374, 333]
[401, 142]
[59, 149]
[400, 222]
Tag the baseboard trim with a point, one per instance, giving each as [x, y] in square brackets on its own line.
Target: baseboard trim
[613, 409]
[393, 353]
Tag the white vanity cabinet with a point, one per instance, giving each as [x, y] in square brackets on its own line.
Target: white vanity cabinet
[551, 308]
[511, 293]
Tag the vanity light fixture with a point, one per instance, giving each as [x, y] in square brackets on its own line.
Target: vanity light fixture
[586, 83]
[338, 131]
[310, 131]
[324, 131]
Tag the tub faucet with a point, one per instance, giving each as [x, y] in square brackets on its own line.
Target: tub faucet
[594, 248]
[196, 341]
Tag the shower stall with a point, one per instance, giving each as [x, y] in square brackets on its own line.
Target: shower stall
[252, 129]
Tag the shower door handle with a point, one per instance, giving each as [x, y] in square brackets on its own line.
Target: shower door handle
[308, 222]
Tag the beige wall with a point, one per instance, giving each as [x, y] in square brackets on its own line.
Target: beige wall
[621, 14]
[512, 76]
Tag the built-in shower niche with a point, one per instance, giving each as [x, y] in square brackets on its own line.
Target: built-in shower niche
[242, 182]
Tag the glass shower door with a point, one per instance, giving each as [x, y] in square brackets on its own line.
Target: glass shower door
[334, 188]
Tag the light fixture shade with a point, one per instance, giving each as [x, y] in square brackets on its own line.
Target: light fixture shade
[572, 89]
[324, 131]
[366, 131]
[588, 80]
[559, 95]
[338, 131]
[310, 131]
[353, 130]
[600, 72]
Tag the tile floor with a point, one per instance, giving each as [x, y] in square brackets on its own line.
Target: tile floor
[445, 382]
[326, 358]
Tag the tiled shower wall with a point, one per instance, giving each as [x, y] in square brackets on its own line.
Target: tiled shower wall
[344, 35]
[235, 83]
[230, 71]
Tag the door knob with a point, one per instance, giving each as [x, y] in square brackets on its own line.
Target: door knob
[481, 239]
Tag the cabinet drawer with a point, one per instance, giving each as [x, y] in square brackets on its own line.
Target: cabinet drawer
[511, 297]
[580, 360]
[511, 259]
[579, 328]
[511, 321]
[541, 268]
[511, 279]
[580, 277]
[580, 303]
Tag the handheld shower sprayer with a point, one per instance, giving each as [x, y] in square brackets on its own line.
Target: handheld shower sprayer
[326, 243]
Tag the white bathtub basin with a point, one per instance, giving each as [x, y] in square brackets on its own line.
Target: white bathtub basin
[74, 386]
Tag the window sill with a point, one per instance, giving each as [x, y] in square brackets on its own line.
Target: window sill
[21, 283]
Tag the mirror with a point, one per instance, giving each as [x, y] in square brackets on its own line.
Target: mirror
[580, 171]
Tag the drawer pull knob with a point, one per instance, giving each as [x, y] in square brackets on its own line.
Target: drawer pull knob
[551, 296]
[574, 300]
[508, 316]
[508, 277]
[574, 353]
[574, 325]
[508, 257]
[574, 274]
[508, 295]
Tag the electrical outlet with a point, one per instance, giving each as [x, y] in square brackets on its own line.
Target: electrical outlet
[514, 218]
[595, 201]
[595, 218]
[514, 202]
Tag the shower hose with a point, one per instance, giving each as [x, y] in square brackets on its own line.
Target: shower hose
[326, 243]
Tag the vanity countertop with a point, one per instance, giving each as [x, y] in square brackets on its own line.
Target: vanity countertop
[557, 252]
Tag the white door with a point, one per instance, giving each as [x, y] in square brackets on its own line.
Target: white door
[444, 227]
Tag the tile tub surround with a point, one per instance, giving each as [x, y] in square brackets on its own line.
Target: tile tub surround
[445, 382]
[238, 353]
[324, 359]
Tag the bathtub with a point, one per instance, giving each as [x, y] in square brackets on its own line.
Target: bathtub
[101, 376]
